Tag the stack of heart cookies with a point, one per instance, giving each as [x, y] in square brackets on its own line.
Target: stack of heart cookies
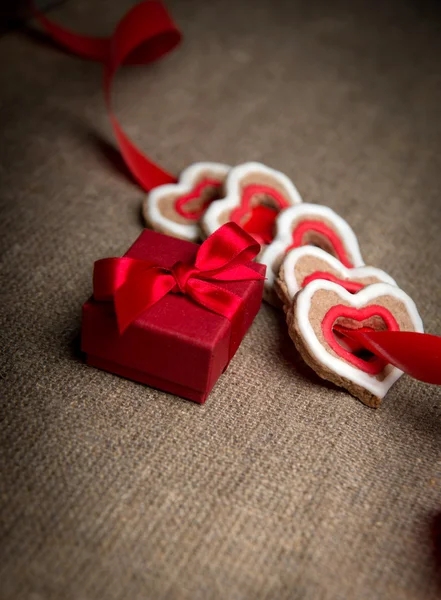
[210, 194]
[315, 270]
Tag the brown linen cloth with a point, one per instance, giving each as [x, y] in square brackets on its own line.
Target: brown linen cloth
[280, 486]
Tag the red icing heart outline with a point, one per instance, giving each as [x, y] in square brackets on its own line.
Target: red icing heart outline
[351, 286]
[374, 366]
[261, 218]
[196, 192]
[305, 227]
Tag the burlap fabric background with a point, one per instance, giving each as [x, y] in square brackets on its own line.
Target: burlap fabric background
[280, 487]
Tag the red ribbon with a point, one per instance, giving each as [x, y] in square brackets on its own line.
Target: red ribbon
[417, 354]
[144, 34]
[136, 285]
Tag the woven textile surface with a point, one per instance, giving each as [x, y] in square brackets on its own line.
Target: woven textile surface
[281, 486]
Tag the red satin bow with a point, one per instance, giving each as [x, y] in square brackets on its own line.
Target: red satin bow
[136, 285]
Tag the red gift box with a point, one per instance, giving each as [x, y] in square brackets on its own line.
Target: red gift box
[176, 345]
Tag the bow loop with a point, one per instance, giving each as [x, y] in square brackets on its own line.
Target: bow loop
[228, 247]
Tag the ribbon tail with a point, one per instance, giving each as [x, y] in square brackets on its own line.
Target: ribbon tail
[417, 354]
[239, 273]
[140, 293]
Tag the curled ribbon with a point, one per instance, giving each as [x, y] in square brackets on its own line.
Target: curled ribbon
[136, 285]
[144, 34]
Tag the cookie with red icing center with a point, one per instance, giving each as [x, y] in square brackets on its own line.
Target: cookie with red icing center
[254, 196]
[308, 263]
[176, 209]
[322, 310]
[313, 225]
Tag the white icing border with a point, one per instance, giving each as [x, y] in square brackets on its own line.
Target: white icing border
[185, 185]
[232, 198]
[358, 300]
[296, 254]
[283, 238]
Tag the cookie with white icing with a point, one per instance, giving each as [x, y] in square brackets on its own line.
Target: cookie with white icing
[254, 196]
[309, 224]
[176, 208]
[308, 263]
[323, 309]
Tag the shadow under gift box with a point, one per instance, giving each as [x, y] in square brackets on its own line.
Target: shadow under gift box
[177, 345]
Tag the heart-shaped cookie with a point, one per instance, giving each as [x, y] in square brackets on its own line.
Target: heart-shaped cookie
[254, 196]
[308, 263]
[309, 224]
[176, 209]
[322, 309]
